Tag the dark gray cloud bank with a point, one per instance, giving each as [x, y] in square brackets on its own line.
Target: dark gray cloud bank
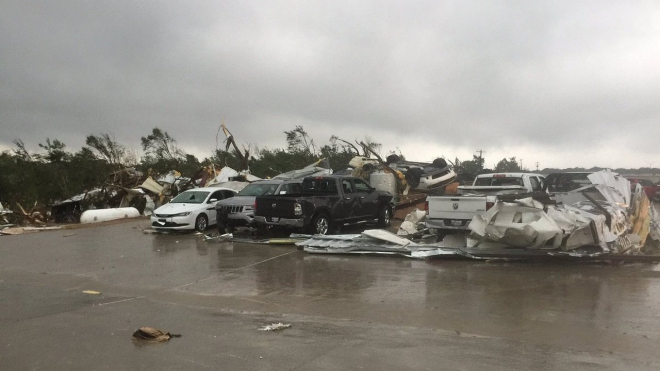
[562, 83]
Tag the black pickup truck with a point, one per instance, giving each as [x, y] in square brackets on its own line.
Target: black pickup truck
[326, 203]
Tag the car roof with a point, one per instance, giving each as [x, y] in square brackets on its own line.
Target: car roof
[209, 189]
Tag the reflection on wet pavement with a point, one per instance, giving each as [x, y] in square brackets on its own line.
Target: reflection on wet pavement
[555, 303]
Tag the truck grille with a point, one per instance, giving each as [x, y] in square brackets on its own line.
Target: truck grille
[234, 209]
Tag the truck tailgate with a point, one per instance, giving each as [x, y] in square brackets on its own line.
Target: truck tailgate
[277, 206]
[455, 207]
[492, 190]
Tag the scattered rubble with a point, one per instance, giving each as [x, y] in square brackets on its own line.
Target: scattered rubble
[616, 226]
[611, 221]
[413, 225]
[275, 327]
[21, 230]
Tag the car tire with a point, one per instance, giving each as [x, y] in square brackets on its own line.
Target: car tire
[320, 225]
[384, 216]
[261, 229]
[69, 218]
[201, 223]
[223, 228]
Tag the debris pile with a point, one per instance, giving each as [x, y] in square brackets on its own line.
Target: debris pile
[617, 222]
[413, 225]
[6, 218]
[275, 327]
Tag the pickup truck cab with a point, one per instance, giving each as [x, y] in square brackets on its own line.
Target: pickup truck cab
[238, 211]
[326, 203]
[455, 212]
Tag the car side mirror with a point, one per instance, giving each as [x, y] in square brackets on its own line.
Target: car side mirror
[213, 200]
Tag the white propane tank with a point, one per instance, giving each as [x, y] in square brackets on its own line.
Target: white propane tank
[383, 181]
[103, 215]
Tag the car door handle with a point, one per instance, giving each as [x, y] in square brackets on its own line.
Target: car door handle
[348, 198]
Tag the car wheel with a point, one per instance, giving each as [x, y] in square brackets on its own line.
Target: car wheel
[222, 227]
[201, 222]
[261, 229]
[69, 218]
[384, 216]
[321, 224]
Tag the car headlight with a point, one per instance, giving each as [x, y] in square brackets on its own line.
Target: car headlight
[181, 214]
[248, 208]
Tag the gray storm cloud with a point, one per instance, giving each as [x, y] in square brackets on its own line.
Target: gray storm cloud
[562, 81]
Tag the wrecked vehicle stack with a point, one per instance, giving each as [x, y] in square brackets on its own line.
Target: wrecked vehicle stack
[614, 223]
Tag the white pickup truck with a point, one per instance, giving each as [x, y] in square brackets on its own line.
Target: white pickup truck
[454, 212]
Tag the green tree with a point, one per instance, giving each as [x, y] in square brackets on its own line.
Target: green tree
[507, 165]
[159, 145]
[54, 151]
[474, 166]
[162, 154]
[298, 141]
[108, 149]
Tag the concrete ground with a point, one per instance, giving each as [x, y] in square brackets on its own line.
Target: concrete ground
[346, 312]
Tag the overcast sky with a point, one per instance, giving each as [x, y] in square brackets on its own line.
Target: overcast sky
[562, 83]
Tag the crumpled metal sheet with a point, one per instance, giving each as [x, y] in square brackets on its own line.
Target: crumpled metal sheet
[413, 223]
[151, 185]
[319, 168]
[386, 236]
[620, 224]
[614, 187]
[579, 228]
[377, 242]
[522, 223]
[223, 176]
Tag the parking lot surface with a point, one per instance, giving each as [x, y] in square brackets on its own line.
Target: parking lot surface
[346, 312]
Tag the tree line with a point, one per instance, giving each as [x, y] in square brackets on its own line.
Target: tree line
[55, 173]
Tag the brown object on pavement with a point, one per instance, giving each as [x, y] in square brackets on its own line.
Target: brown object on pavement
[153, 334]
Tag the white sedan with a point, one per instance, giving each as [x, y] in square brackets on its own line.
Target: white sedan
[191, 209]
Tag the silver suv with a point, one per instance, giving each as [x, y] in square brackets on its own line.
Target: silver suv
[238, 211]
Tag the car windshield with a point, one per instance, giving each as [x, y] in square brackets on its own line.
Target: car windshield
[259, 189]
[190, 197]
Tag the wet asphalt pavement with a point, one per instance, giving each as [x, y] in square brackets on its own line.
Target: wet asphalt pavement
[347, 312]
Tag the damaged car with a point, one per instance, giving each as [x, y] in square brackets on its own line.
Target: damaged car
[193, 209]
[239, 211]
[325, 205]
